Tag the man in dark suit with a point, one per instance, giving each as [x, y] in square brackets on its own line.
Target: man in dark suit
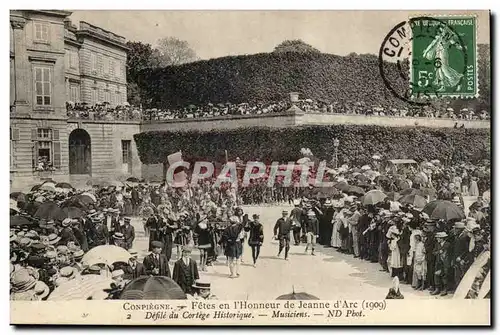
[311, 228]
[128, 233]
[66, 233]
[134, 269]
[135, 200]
[156, 264]
[282, 230]
[185, 271]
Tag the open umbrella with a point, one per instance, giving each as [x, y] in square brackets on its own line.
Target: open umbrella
[343, 186]
[73, 212]
[64, 185]
[152, 288]
[15, 195]
[443, 210]
[297, 296]
[48, 187]
[19, 220]
[414, 199]
[49, 211]
[35, 188]
[355, 190]
[106, 254]
[90, 195]
[87, 287]
[373, 197]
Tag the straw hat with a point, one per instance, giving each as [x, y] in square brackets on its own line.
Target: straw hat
[117, 273]
[441, 234]
[41, 290]
[202, 284]
[66, 222]
[22, 281]
[53, 239]
[68, 272]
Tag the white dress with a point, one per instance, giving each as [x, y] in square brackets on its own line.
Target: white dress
[394, 260]
[336, 242]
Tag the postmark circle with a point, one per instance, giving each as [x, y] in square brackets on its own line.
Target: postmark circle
[396, 62]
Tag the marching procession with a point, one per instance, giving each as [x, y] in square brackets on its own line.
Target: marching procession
[412, 223]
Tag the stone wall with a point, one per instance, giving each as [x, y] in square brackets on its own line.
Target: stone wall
[389, 121]
[222, 122]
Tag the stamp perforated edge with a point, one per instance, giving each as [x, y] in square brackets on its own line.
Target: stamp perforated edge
[452, 96]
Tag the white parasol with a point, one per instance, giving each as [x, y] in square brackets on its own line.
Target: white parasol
[82, 288]
[106, 254]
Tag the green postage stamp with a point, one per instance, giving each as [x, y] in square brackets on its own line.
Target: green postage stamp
[444, 56]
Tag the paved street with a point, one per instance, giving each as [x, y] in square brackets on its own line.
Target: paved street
[328, 275]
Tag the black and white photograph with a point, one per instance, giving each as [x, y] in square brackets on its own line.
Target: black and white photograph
[292, 167]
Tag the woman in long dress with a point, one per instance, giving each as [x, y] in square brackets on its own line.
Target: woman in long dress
[394, 259]
[438, 49]
[473, 189]
[419, 263]
[336, 241]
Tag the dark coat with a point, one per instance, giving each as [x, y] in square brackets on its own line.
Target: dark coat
[151, 263]
[129, 235]
[282, 228]
[185, 275]
[233, 246]
[256, 233]
[100, 234]
[67, 235]
[133, 273]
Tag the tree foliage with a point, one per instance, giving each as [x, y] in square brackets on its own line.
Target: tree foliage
[173, 51]
[295, 46]
[357, 143]
[272, 76]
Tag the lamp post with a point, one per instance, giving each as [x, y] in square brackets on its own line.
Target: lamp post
[336, 143]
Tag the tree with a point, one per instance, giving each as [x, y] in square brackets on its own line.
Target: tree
[295, 46]
[173, 51]
[139, 57]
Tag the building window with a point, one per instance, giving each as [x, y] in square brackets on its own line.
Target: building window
[42, 32]
[99, 64]
[94, 98]
[111, 67]
[73, 61]
[74, 93]
[43, 86]
[118, 69]
[107, 96]
[43, 149]
[122, 69]
[126, 151]
[14, 136]
[106, 65]
[93, 61]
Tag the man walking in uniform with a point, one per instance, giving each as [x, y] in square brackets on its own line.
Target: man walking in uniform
[297, 217]
[282, 230]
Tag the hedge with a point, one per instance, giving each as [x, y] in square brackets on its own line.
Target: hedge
[357, 143]
[272, 76]
[267, 77]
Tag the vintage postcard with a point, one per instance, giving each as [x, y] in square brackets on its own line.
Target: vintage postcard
[250, 167]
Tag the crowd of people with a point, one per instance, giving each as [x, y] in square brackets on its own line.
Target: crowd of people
[376, 214]
[104, 111]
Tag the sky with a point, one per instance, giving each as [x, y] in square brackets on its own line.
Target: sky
[221, 33]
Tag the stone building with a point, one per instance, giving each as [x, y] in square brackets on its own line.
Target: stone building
[53, 62]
